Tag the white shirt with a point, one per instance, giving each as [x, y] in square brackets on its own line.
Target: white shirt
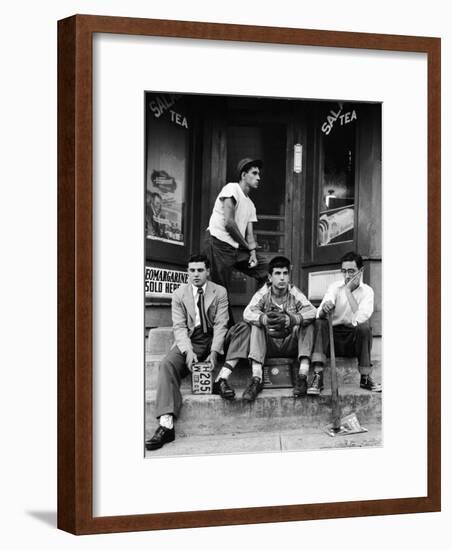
[195, 299]
[342, 313]
[245, 212]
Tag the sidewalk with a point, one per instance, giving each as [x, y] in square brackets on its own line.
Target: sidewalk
[302, 439]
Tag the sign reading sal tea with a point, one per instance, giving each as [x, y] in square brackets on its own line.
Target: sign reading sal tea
[338, 114]
[161, 283]
[166, 168]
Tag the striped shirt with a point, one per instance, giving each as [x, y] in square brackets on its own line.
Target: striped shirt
[296, 305]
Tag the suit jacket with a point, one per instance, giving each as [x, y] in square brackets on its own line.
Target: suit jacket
[183, 314]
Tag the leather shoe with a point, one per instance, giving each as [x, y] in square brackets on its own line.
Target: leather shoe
[162, 435]
[368, 383]
[301, 385]
[254, 387]
[223, 389]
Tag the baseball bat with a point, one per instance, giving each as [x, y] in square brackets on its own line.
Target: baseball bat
[335, 406]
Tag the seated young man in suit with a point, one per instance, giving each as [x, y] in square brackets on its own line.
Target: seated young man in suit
[277, 323]
[200, 318]
[351, 304]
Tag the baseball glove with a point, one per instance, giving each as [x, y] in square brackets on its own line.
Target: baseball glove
[276, 324]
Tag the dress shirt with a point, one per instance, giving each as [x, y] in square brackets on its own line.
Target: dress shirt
[343, 313]
[196, 298]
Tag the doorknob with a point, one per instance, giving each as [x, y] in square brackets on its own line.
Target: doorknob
[297, 158]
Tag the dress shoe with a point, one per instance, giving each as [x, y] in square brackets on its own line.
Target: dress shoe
[301, 385]
[316, 385]
[162, 435]
[254, 387]
[368, 383]
[222, 388]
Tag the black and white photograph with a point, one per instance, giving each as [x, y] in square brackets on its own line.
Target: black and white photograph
[263, 293]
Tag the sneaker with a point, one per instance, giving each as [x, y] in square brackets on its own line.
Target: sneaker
[301, 385]
[222, 388]
[254, 387]
[162, 435]
[316, 385]
[368, 383]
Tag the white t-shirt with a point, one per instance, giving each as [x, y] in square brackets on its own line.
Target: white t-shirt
[245, 212]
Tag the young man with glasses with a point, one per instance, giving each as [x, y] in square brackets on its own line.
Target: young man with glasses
[350, 302]
[230, 242]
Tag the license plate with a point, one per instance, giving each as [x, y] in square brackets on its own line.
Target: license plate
[201, 378]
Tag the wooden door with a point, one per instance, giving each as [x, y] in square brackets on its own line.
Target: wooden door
[267, 142]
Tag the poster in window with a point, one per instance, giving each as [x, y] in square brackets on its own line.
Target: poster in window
[166, 171]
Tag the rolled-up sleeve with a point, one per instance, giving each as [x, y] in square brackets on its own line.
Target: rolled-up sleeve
[230, 191]
[365, 308]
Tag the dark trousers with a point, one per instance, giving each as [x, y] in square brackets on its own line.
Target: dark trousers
[248, 341]
[348, 342]
[171, 371]
[224, 258]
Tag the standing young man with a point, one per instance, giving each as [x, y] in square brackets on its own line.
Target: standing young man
[277, 323]
[230, 242]
[351, 304]
[199, 312]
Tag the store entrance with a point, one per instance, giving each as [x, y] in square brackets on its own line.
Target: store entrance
[266, 142]
[271, 130]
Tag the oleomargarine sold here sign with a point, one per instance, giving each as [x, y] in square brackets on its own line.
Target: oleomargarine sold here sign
[161, 282]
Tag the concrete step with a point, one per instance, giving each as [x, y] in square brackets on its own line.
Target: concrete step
[299, 439]
[159, 340]
[347, 371]
[273, 410]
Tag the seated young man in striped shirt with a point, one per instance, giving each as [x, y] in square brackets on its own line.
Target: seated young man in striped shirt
[277, 323]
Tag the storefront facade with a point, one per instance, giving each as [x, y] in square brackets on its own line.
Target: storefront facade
[319, 197]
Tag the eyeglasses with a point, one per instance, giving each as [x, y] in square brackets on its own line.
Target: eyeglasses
[349, 271]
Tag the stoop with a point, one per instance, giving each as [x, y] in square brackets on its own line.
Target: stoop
[274, 411]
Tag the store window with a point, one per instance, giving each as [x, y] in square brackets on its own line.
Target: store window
[336, 199]
[166, 170]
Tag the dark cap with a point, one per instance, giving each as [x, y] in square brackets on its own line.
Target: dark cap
[246, 163]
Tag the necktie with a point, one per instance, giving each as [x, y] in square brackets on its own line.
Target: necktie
[202, 311]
